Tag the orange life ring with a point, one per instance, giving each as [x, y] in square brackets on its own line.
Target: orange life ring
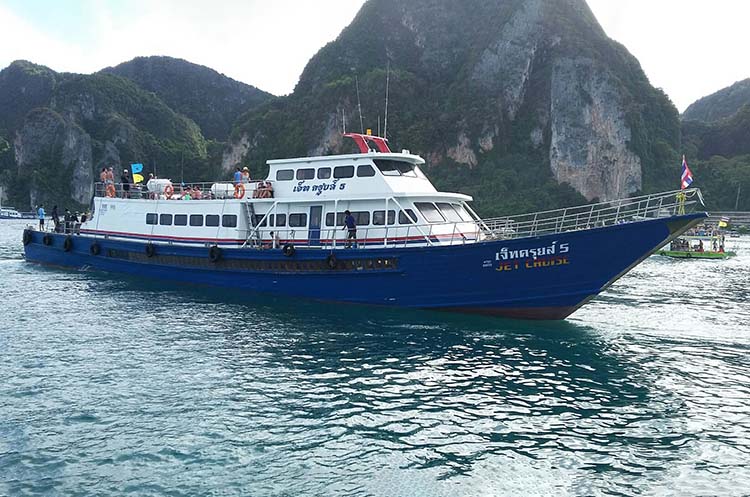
[168, 191]
[239, 190]
[110, 190]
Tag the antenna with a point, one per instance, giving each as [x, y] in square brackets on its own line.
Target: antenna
[387, 81]
[359, 105]
[378, 124]
[343, 118]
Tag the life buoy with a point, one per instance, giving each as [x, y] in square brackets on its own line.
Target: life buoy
[94, 249]
[168, 190]
[150, 250]
[288, 250]
[331, 261]
[27, 237]
[68, 243]
[214, 253]
[47, 240]
[110, 190]
[239, 190]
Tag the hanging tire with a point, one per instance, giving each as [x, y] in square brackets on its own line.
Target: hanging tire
[94, 249]
[150, 250]
[214, 254]
[47, 240]
[288, 250]
[27, 237]
[68, 243]
[331, 261]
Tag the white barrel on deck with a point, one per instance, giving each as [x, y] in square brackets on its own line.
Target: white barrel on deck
[158, 185]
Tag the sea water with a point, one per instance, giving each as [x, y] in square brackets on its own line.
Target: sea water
[115, 386]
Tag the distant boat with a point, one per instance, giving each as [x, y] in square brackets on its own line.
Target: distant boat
[9, 213]
[698, 244]
[406, 244]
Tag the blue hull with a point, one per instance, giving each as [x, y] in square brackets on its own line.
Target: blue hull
[546, 277]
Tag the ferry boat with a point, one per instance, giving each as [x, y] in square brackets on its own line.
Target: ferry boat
[414, 246]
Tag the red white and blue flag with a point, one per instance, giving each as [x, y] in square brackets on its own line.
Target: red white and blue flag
[687, 177]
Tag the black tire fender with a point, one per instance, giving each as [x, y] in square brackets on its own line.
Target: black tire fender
[27, 236]
[331, 261]
[68, 243]
[47, 240]
[150, 249]
[95, 249]
[214, 253]
[288, 250]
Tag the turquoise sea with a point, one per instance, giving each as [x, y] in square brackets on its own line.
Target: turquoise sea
[112, 387]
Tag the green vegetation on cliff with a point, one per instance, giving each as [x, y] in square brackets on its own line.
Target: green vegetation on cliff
[212, 100]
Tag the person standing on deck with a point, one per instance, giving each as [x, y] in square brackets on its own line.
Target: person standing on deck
[125, 180]
[351, 227]
[56, 219]
[245, 175]
[237, 175]
[40, 212]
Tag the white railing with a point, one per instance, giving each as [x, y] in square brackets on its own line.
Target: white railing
[628, 210]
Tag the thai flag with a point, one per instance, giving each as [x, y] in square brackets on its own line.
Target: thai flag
[687, 177]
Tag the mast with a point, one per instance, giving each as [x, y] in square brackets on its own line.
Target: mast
[387, 81]
[359, 105]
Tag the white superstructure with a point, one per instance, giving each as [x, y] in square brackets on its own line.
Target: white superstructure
[302, 202]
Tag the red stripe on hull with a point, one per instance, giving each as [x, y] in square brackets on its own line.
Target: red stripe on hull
[537, 313]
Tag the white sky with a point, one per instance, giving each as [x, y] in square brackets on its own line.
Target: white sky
[690, 48]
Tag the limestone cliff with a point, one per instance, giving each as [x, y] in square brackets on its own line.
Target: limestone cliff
[518, 103]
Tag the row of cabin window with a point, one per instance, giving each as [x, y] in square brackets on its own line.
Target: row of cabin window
[211, 220]
[339, 172]
[362, 218]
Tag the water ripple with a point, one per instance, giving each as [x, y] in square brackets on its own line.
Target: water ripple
[116, 387]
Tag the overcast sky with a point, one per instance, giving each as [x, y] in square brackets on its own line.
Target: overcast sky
[690, 48]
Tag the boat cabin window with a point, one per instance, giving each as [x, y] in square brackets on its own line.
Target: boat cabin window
[280, 220]
[365, 171]
[165, 219]
[390, 167]
[324, 173]
[430, 212]
[259, 220]
[407, 217]
[462, 212]
[212, 219]
[284, 174]
[151, 218]
[196, 219]
[180, 219]
[449, 212]
[307, 173]
[378, 218]
[297, 220]
[343, 172]
[361, 218]
[229, 220]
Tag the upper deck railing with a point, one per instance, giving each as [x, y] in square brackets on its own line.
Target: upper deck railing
[620, 211]
[164, 189]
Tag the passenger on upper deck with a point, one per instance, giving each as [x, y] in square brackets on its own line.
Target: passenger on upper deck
[237, 176]
[125, 179]
[245, 175]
